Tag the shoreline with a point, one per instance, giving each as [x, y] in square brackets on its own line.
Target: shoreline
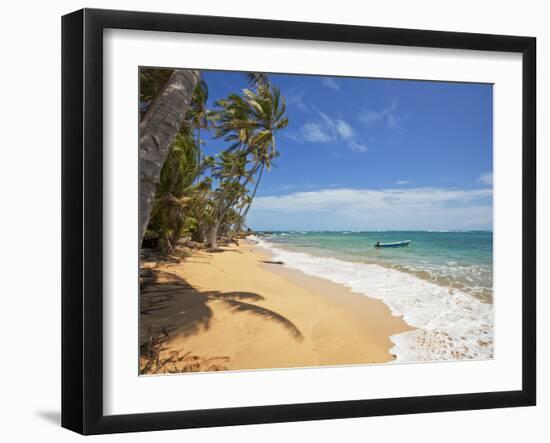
[335, 293]
[447, 322]
[232, 311]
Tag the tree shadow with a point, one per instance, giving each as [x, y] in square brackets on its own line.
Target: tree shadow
[157, 256]
[178, 308]
[155, 358]
[238, 306]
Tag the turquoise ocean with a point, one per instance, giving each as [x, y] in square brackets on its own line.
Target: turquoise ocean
[442, 284]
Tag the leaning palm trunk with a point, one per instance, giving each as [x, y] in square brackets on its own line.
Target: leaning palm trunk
[156, 134]
[253, 193]
[219, 217]
[214, 235]
[214, 230]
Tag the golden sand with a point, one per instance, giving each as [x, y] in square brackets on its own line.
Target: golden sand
[231, 310]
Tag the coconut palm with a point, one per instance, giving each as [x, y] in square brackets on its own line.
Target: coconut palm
[250, 121]
[198, 115]
[268, 114]
[169, 219]
[229, 170]
[258, 80]
[157, 130]
[208, 206]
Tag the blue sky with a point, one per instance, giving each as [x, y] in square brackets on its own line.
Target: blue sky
[363, 154]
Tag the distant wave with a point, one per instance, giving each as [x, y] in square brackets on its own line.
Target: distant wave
[451, 324]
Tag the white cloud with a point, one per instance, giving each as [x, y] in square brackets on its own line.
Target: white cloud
[371, 117]
[345, 208]
[387, 115]
[344, 129]
[402, 182]
[295, 97]
[327, 129]
[369, 198]
[486, 178]
[358, 147]
[313, 132]
[330, 83]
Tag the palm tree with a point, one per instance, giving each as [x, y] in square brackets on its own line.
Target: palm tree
[198, 116]
[229, 171]
[186, 203]
[175, 191]
[267, 112]
[157, 130]
[249, 121]
[258, 80]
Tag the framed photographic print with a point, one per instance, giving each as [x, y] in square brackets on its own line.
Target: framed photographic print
[271, 221]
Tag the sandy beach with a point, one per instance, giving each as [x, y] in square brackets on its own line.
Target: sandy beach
[233, 310]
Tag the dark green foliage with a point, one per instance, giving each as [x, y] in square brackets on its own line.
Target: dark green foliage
[203, 197]
[151, 80]
[169, 218]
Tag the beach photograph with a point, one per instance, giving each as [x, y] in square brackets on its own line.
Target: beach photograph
[301, 221]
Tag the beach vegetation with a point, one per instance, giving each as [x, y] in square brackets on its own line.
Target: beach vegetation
[203, 197]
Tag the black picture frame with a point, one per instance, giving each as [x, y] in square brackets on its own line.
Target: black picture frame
[82, 219]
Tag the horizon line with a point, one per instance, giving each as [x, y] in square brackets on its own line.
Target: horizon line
[372, 230]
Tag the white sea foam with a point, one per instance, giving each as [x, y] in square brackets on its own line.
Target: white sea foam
[451, 324]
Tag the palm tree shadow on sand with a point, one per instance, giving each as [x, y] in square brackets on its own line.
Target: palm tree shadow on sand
[179, 309]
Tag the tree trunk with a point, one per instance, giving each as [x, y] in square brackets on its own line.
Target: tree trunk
[214, 235]
[219, 214]
[253, 193]
[156, 134]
